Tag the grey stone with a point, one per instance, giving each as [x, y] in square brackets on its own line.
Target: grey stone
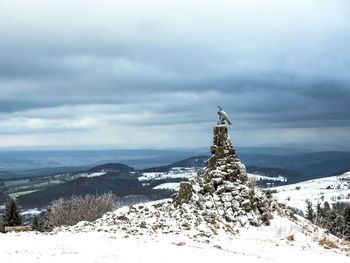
[217, 180]
[238, 198]
[230, 215]
[243, 220]
[227, 204]
[220, 189]
[226, 197]
[216, 198]
[184, 194]
[229, 186]
[209, 187]
[246, 205]
[235, 205]
[196, 188]
[209, 204]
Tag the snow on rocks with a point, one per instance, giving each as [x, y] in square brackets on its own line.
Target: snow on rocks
[223, 189]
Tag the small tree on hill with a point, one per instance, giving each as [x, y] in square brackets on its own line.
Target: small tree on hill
[35, 224]
[12, 216]
[346, 214]
[310, 213]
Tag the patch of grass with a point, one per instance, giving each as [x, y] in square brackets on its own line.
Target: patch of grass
[291, 237]
[326, 242]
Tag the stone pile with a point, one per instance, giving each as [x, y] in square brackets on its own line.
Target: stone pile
[223, 189]
[220, 198]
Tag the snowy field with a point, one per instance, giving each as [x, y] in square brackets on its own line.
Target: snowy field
[90, 175]
[331, 189]
[268, 178]
[264, 244]
[176, 172]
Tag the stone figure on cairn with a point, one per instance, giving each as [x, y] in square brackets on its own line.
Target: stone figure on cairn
[223, 117]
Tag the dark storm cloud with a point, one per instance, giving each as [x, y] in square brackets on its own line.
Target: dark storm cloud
[270, 65]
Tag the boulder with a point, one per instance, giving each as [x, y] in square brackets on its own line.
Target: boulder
[185, 193]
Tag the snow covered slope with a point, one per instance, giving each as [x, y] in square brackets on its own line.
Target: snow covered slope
[331, 189]
[285, 240]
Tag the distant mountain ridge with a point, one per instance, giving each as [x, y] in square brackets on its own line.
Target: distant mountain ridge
[115, 167]
[123, 179]
[196, 161]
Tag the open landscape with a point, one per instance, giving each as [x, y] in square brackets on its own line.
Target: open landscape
[174, 131]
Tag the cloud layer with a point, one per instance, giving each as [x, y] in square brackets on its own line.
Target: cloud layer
[137, 74]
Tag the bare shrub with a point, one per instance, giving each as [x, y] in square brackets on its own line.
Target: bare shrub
[78, 208]
[252, 182]
[327, 243]
[291, 237]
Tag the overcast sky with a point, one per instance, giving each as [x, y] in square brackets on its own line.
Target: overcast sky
[150, 74]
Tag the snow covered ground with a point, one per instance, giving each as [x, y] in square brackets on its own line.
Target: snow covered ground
[268, 178]
[89, 175]
[170, 186]
[331, 189]
[263, 244]
[176, 172]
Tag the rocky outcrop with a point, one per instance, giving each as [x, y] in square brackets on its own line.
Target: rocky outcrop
[223, 189]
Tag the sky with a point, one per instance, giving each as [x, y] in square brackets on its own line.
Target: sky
[151, 74]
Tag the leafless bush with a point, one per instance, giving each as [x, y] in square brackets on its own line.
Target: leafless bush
[252, 183]
[326, 242]
[79, 208]
[290, 237]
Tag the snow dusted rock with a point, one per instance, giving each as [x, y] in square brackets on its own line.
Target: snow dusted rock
[226, 197]
[184, 193]
[226, 177]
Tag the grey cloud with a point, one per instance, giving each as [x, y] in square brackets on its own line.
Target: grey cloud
[269, 65]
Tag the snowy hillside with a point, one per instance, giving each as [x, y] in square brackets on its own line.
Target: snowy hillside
[331, 189]
[284, 240]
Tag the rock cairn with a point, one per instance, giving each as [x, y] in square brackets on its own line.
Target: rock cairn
[223, 190]
[218, 200]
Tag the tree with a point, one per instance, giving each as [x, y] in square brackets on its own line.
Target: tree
[320, 215]
[346, 214]
[310, 213]
[327, 207]
[35, 224]
[12, 216]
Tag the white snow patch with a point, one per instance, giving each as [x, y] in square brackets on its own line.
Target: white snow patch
[176, 172]
[268, 178]
[34, 211]
[253, 244]
[170, 186]
[88, 175]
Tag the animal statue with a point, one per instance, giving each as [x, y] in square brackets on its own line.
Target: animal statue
[223, 117]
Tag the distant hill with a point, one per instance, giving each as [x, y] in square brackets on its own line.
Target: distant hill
[197, 161]
[112, 167]
[322, 168]
[121, 182]
[122, 179]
